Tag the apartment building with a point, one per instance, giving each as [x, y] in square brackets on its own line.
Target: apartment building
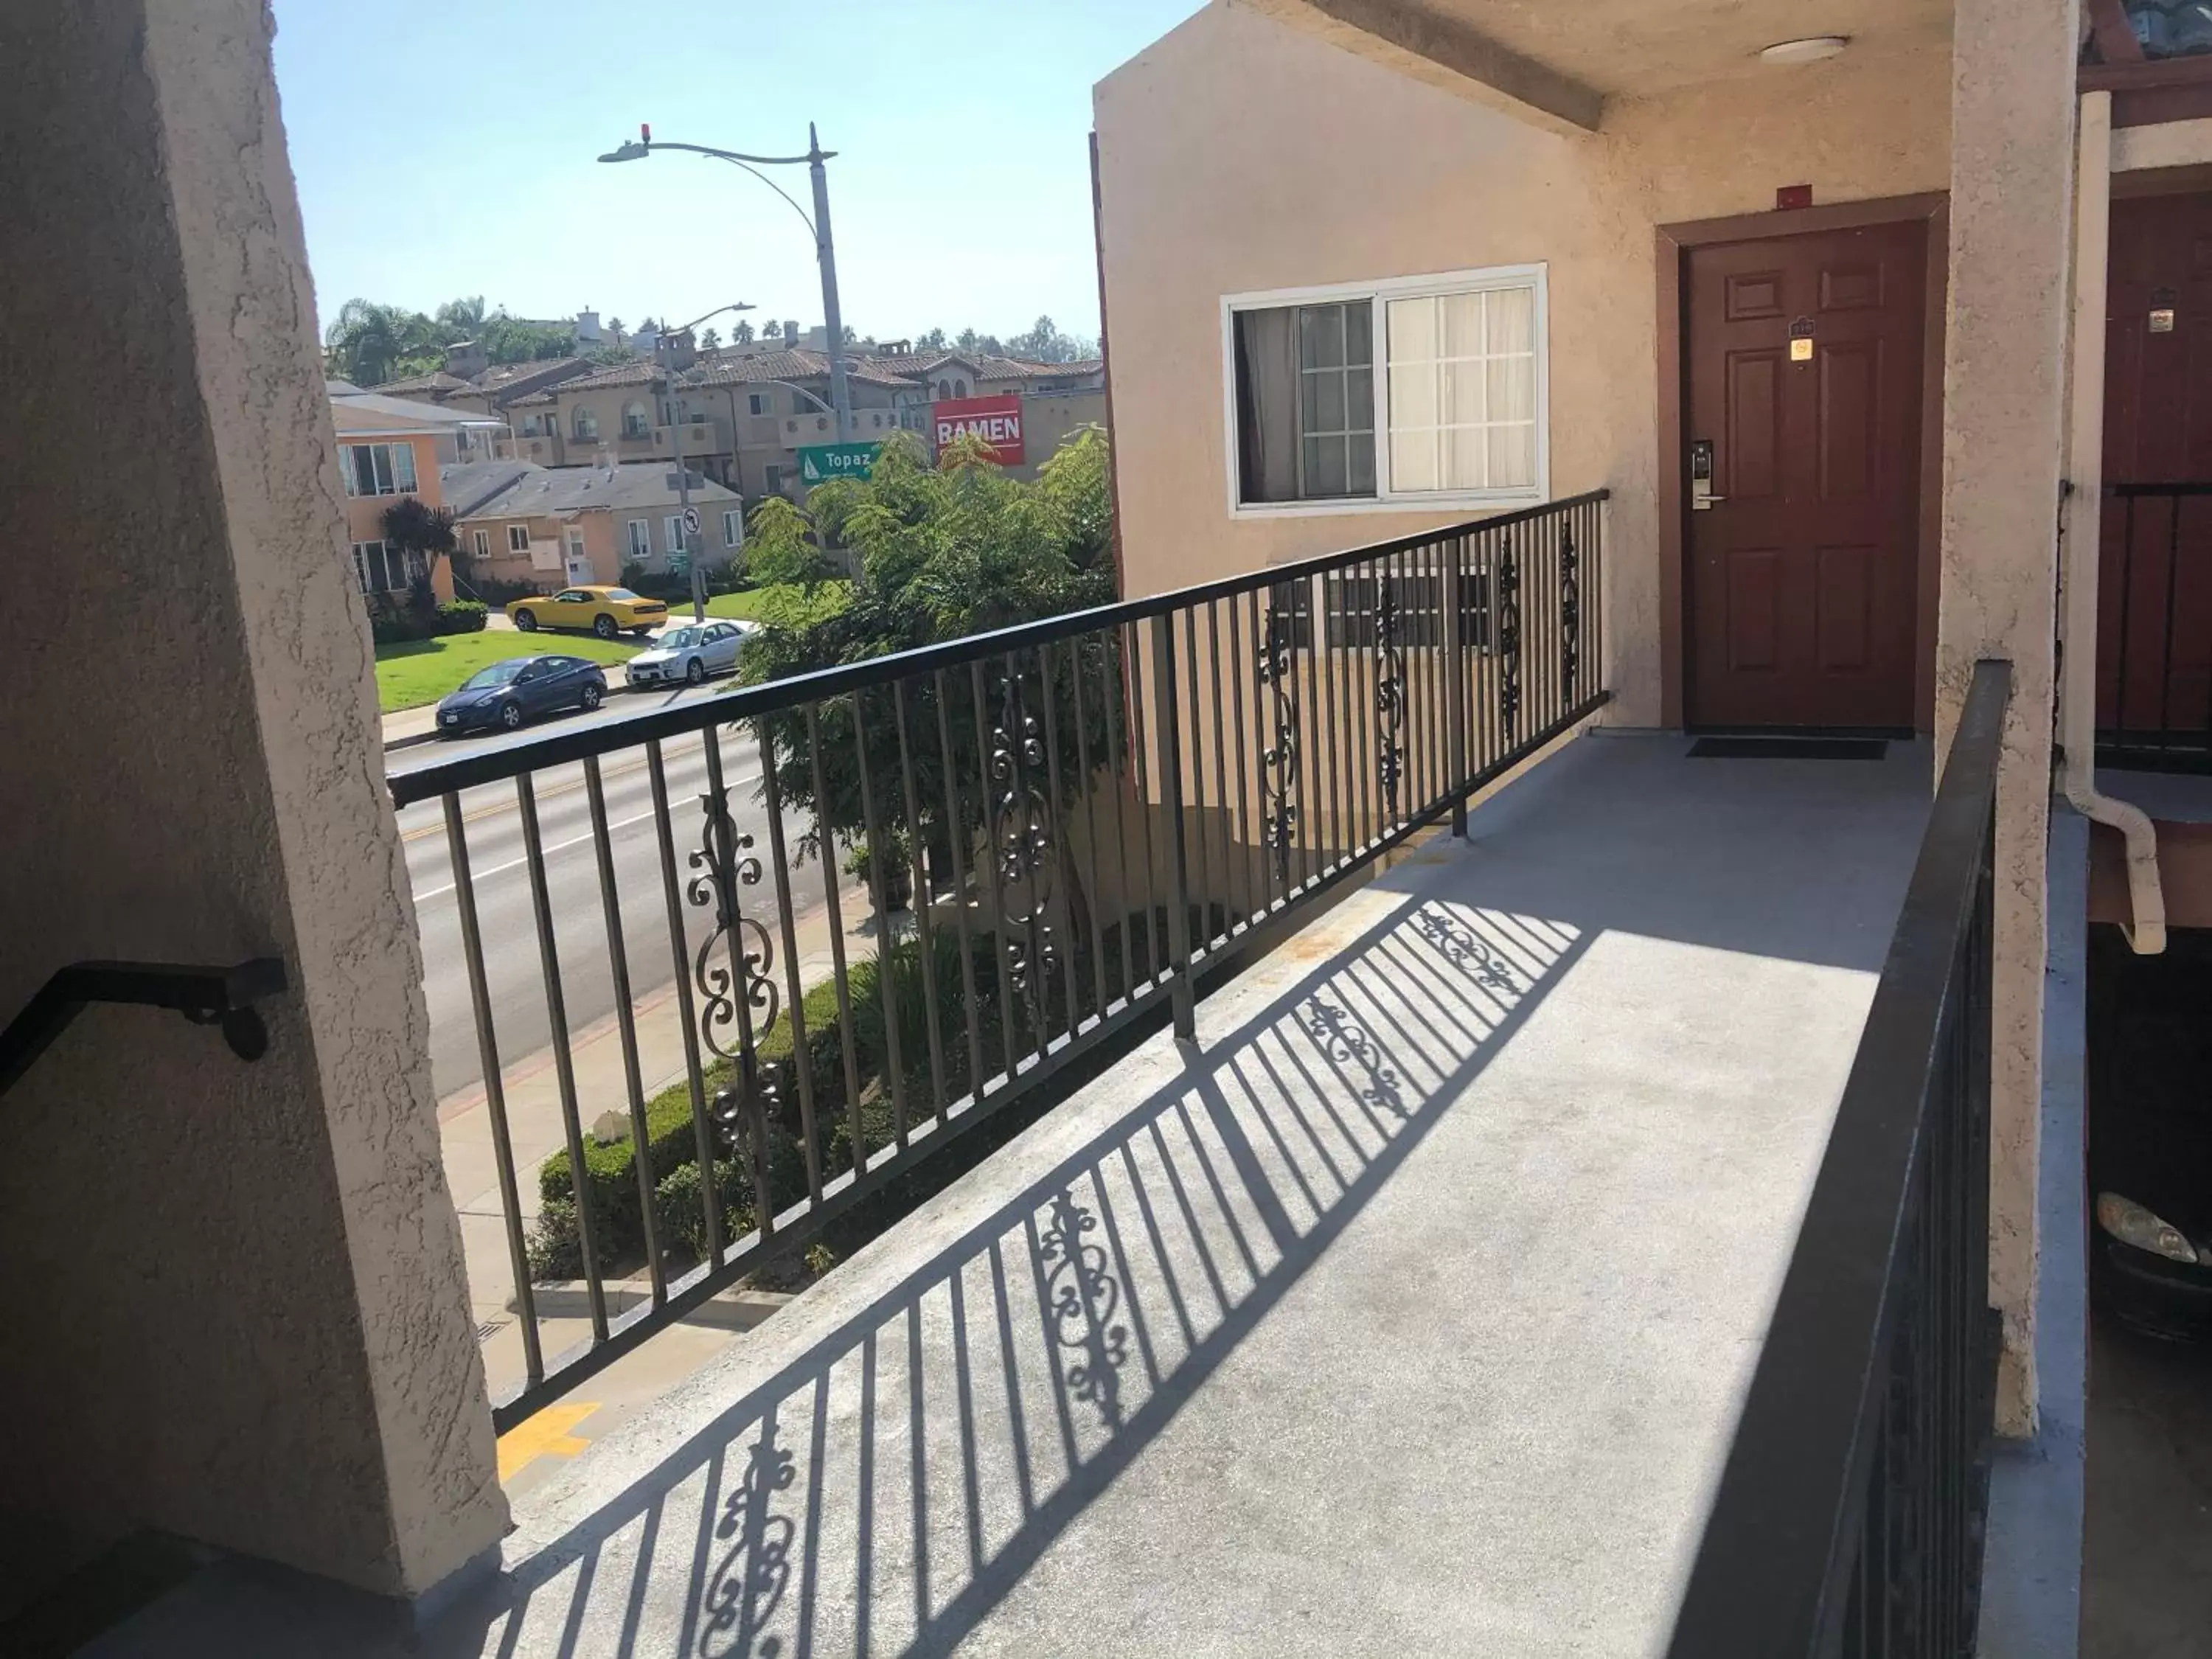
[557, 526]
[388, 448]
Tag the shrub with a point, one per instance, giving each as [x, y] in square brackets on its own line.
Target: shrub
[462, 617]
[492, 590]
[680, 1209]
[554, 1251]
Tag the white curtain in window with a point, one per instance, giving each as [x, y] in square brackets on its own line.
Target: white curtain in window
[1462, 390]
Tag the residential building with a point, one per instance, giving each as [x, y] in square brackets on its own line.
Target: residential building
[468, 383]
[1516, 1181]
[557, 526]
[390, 448]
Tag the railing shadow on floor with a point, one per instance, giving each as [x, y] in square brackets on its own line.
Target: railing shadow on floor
[890, 1486]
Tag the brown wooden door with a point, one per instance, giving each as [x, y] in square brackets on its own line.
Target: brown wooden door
[2155, 556]
[1801, 578]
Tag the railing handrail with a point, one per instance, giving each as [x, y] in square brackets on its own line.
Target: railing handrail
[206, 996]
[1774, 1563]
[433, 778]
[2175, 487]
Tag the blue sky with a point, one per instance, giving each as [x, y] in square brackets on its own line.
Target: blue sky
[444, 149]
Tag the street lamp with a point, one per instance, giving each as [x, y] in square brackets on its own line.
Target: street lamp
[825, 252]
[683, 472]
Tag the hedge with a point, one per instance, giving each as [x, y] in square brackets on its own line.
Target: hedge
[396, 625]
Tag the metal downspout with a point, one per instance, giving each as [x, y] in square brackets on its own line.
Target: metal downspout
[2080, 517]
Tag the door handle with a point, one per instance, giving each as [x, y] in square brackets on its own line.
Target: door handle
[1701, 475]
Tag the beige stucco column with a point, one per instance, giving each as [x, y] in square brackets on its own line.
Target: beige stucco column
[236, 1306]
[2013, 101]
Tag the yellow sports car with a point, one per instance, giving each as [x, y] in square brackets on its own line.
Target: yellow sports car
[605, 611]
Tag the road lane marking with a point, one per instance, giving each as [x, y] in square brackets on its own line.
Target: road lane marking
[479, 876]
[555, 791]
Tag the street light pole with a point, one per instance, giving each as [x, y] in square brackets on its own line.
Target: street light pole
[825, 254]
[683, 473]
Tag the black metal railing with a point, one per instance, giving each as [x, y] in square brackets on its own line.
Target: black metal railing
[1847, 1521]
[2154, 633]
[1068, 826]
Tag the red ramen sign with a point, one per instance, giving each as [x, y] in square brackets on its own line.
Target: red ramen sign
[996, 421]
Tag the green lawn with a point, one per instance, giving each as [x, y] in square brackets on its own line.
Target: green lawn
[785, 603]
[422, 671]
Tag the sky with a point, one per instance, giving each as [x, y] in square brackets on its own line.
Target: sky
[445, 149]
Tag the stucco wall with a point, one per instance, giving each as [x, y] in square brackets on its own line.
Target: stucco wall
[1236, 154]
[236, 1303]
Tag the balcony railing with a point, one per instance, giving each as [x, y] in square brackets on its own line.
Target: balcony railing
[1094, 815]
[2155, 644]
[1849, 1519]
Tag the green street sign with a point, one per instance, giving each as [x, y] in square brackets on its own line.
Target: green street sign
[819, 463]
[679, 564]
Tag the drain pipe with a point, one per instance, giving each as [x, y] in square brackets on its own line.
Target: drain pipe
[2080, 513]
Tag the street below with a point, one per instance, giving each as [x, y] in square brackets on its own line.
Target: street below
[515, 975]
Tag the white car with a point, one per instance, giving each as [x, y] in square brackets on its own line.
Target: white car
[688, 653]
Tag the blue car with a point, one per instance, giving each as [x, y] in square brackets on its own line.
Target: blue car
[508, 693]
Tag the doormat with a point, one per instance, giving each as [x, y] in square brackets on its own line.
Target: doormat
[1851, 749]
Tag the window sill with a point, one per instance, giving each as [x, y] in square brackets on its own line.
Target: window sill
[1495, 502]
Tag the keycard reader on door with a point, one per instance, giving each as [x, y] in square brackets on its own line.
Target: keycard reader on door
[1701, 475]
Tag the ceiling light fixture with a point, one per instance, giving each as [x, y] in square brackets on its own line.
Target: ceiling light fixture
[1810, 50]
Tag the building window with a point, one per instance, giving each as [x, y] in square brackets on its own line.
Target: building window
[1449, 371]
[481, 539]
[584, 425]
[960, 388]
[877, 419]
[757, 403]
[381, 568]
[734, 528]
[636, 424]
[776, 481]
[377, 469]
[674, 525]
[945, 388]
[641, 540]
[518, 539]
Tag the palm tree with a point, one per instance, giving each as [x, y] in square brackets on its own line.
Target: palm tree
[370, 344]
[463, 318]
[711, 340]
[414, 526]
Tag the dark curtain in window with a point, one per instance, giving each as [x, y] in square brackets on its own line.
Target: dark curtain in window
[1268, 404]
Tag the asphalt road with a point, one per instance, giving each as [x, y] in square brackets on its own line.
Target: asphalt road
[499, 869]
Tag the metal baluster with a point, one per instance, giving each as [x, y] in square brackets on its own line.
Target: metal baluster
[2165, 653]
[1182, 991]
[564, 1063]
[1090, 783]
[1454, 645]
[502, 1144]
[1355, 663]
[1214, 710]
[956, 832]
[1246, 843]
[2127, 602]
[680, 958]
[1195, 755]
[924, 902]
[1056, 803]
[802, 1057]
[886, 960]
[725, 857]
[641, 1137]
[1141, 751]
[827, 849]
[1113, 660]
[1324, 672]
[991, 812]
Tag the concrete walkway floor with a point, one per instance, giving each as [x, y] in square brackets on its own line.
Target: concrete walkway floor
[1411, 1313]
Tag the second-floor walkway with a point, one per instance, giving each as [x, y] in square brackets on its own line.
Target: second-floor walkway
[1412, 1312]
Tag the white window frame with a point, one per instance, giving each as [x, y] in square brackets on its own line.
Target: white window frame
[673, 524]
[1379, 294]
[518, 539]
[482, 540]
[640, 532]
[733, 527]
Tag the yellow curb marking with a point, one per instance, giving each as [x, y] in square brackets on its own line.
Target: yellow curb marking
[545, 1435]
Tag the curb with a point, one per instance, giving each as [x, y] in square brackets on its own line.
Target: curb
[410, 743]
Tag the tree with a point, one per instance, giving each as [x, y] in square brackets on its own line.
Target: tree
[615, 328]
[1045, 343]
[944, 552]
[612, 355]
[711, 340]
[933, 341]
[771, 330]
[369, 343]
[414, 526]
[464, 318]
[742, 334]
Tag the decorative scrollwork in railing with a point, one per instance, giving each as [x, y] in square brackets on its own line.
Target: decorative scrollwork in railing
[1570, 610]
[1465, 951]
[1279, 761]
[1390, 694]
[1509, 643]
[1022, 843]
[1081, 1298]
[725, 861]
[749, 1583]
